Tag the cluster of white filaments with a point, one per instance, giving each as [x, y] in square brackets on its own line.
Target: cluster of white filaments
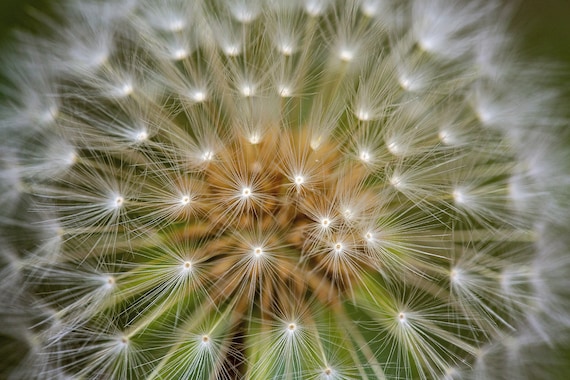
[267, 190]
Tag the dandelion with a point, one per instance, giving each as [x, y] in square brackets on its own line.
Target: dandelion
[308, 189]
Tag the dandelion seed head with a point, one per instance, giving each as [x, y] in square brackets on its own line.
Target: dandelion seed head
[231, 189]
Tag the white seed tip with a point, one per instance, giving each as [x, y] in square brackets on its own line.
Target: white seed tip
[207, 156]
[364, 156]
[396, 181]
[231, 50]
[141, 136]
[445, 137]
[177, 25]
[246, 192]
[284, 91]
[254, 138]
[258, 251]
[362, 115]
[394, 148]
[314, 8]
[110, 282]
[346, 55]
[369, 8]
[405, 82]
[402, 317]
[118, 202]
[126, 89]
[198, 96]
[455, 275]
[247, 90]
[286, 49]
[458, 196]
[179, 54]
[49, 115]
[186, 266]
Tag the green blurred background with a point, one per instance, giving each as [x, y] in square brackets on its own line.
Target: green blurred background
[546, 23]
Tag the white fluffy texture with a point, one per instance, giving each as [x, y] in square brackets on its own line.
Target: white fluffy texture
[308, 189]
